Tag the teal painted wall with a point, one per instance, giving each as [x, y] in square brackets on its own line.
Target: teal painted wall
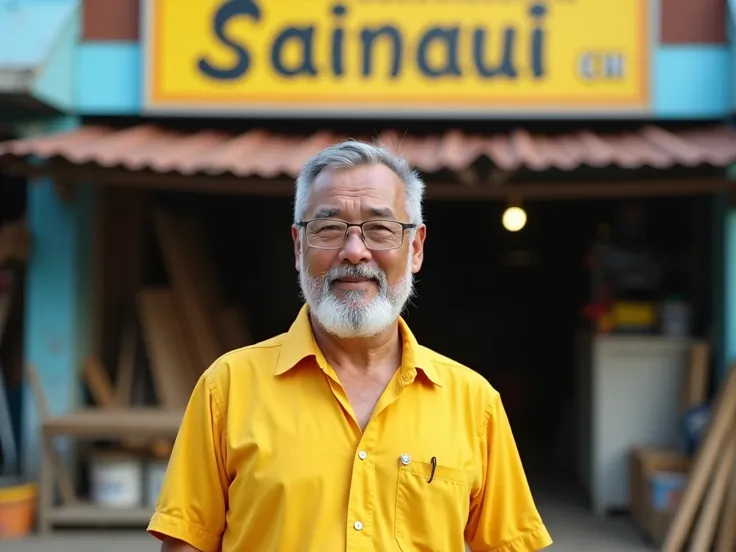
[57, 296]
[55, 82]
[41, 36]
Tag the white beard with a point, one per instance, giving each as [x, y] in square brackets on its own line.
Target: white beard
[351, 316]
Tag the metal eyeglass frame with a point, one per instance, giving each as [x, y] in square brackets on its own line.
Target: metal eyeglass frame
[348, 225]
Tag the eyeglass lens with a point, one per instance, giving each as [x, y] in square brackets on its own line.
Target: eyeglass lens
[329, 234]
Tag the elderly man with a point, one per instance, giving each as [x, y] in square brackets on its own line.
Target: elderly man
[344, 433]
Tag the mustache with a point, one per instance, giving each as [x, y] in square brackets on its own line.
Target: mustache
[356, 271]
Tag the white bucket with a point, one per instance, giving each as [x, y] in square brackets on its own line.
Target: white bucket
[155, 471]
[116, 480]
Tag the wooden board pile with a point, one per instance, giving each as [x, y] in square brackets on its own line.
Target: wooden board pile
[706, 516]
[185, 325]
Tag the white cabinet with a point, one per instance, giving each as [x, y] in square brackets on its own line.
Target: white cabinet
[628, 389]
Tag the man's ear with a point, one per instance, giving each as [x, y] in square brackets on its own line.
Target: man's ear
[417, 245]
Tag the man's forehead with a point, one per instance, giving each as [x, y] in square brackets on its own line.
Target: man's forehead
[329, 211]
[374, 190]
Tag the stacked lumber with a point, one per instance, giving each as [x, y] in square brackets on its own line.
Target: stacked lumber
[183, 326]
[706, 516]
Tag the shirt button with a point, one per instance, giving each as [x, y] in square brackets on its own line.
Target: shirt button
[357, 526]
[362, 455]
[405, 459]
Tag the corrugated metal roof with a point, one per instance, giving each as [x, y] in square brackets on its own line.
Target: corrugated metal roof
[265, 154]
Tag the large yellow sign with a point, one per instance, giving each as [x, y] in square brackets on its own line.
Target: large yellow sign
[400, 56]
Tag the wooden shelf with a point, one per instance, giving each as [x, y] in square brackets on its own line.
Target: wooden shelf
[111, 423]
[138, 423]
[91, 515]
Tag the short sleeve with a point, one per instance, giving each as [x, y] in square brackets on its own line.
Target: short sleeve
[503, 516]
[192, 505]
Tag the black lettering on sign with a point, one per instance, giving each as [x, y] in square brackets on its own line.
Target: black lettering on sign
[368, 39]
[504, 67]
[446, 39]
[226, 12]
[338, 40]
[537, 13]
[303, 38]
[438, 54]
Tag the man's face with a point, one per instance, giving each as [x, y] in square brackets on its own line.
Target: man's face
[354, 291]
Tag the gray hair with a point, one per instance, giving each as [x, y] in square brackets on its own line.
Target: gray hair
[352, 153]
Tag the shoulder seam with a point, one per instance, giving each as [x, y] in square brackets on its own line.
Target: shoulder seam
[484, 423]
[212, 390]
[489, 411]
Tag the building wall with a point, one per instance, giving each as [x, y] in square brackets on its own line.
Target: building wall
[691, 56]
[686, 22]
[681, 21]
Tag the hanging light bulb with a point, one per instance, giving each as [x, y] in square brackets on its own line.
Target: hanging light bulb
[514, 217]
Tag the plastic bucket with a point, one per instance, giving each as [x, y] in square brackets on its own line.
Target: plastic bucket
[116, 480]
[17, 510]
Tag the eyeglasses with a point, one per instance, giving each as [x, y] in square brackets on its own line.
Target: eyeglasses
[378, 235]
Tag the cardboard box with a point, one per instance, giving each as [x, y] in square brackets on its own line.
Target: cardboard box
[657, 479]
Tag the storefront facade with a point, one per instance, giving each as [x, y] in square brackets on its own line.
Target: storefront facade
[139, 63]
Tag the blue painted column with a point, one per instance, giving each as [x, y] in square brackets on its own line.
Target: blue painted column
[57, 302]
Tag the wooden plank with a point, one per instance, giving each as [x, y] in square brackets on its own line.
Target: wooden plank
[99, 384]
[123, 223]
[697, 375]
[707, 524]
[66, 487]
[173, 375]
[126, 363]
[194, 283]
[726, 541]
[96, 423]
[719, 429]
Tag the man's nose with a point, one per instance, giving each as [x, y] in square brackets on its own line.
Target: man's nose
[354, 249]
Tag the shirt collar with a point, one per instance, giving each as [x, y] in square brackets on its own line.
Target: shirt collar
[299, 344]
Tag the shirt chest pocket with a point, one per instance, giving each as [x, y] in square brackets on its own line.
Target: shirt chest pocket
[432, 503]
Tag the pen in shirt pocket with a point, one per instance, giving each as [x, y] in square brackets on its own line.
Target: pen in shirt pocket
[433, 462]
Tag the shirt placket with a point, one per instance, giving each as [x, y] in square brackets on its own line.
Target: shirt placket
[360, 530]
[363, 487]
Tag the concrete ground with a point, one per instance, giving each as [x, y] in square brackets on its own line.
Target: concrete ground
[571, 526]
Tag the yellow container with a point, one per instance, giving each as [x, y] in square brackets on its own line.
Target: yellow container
[632, 314]
[17, 510]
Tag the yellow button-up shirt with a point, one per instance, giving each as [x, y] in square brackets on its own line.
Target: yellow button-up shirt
[269, 457]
